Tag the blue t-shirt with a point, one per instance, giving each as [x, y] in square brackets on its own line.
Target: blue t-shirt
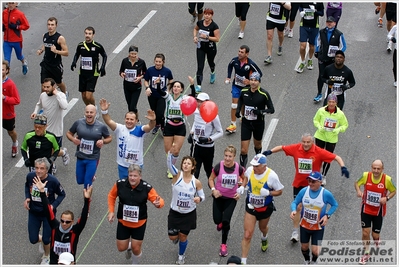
[152, 74]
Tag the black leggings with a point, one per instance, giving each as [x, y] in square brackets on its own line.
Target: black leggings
[191, 8]
[222, 211]
[158, 105]
[210, 54]
[293, 11]
[132, 98]
[329, 147]
[203, 155]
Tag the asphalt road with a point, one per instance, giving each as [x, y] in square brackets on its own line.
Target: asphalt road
[371, 109]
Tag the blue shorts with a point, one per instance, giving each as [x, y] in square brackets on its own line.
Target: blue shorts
[85, 171]
[235, 91]
[7, 49]
[308, 34]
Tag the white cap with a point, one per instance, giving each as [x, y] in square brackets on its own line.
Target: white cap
[203, 96]
[66, 258]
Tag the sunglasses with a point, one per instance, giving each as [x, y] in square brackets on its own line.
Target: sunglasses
[65, 222]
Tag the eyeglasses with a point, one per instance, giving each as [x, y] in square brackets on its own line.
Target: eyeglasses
[65, 222]
[311, 181]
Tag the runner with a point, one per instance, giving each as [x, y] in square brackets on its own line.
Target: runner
[241, 11]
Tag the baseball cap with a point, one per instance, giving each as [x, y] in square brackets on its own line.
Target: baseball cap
[330, 19]
[340, 52]
[255, 75]
[315, 176]
[203, 96]
[40, 119]
[234, 259]
[258, 160]
[66, 258]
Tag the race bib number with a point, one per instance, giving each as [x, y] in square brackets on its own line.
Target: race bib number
[330, 124]
[274, 9]
[61, 247]
[229, 180]
[256, 201]
[131, 156]
[130, 75]
[86, 63]
[332, 49]
[373, 198]
[309, 14]
[35, 193]
[336, 88]
[86, 146]
[310, 215]
[130, 213]
[199, 130]
[174, 111]
[154, 85]
[304, 166]
[249, 113]
[239, 80]
[183, 204]
[200, 32]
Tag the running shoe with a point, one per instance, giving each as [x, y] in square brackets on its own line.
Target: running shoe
[380, 23]
[45, 260]
[213, 77]
[14, 151]
[268, 60]
[219, 226]
[300, 68]
[223, 250]
[286, 31]
[193, 19]
[394, 84]
[389, 47]
[294, 236]
[310, 64]
[128, 253]
[264, 245]
[54, 169]
[280, 51]
[307, 262]
[231, 129]
[377, 10]
[65, 157]
[25, 67]
[198, 89]
[180, 260]
[363, 260]
[156, 128]
[318, 98]
[92, 180]
[290, 33]
[241, 35]
[170, 176]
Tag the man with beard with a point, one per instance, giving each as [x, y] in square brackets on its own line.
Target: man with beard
[89, 52]
[53, 102]
[339, 79]
[89, 135]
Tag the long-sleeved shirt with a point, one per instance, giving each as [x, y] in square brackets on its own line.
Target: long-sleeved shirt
[17, 17]
[10, 91]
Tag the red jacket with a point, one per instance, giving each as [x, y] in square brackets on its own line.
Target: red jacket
[15, 16]
[10, 91]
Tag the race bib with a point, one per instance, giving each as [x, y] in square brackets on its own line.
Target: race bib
[35, 193]
[183, 204]
[130, 213]
[86, 146]
[310, 215]
[249, 113]
[274, 9]
[336, 88]
[154, 85]
[304, 166]
[130, 75]
[256, 201]
[330, 124]
[86, 63]
[332, 49]
[239, 80]
[229, 180]
[61, 247]
[131, 156]
[199, 130]
[200, 32]
[309, 14]
[373, 198]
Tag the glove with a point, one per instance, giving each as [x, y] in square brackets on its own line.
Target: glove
[27, 163]
[336, 130]
[302, 13]
[238, 115]
[13, 26]
[316, 54]
[344, 87]
[330, 82]
[203, 140]
[393, 39]
[73, 66]
[257, 112]
[190, 139]
[344, 171]
[102, 72]
[240, 190]
[264, 192]
[267, 152]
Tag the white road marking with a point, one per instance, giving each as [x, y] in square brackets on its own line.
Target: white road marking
[71, 103]
[134, 32]
[269, 133]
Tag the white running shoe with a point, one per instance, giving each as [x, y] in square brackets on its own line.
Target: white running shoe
[294, 237]
[290, 34]
[45, 260]
[241, 35]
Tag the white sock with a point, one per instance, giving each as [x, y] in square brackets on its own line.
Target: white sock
[244, 260]
[136, 258]
[15, 144]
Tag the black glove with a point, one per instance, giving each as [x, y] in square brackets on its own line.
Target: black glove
[238, 115]
[203, 140]
[27, 163]
[13, 26]
[267, 152]
[330, 82]
[393, 39]
[73, 66]
[316, 54]
[344, 87]
[190, 139]
[102, 72]
[344, 171]
[257, 111]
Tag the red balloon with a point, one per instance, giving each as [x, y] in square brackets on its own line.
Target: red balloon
[188, 105]
[208, 110]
